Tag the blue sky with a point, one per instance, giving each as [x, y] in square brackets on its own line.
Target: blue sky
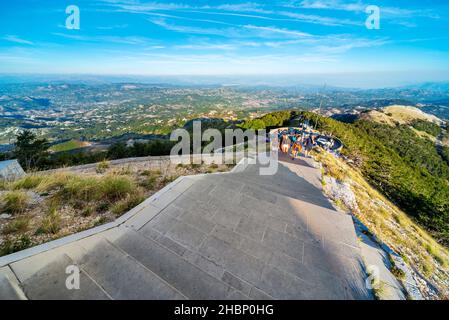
[229, 37]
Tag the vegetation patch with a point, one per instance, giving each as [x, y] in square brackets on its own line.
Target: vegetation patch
[51, 224]
[70, 202]
[17, 225]
[68, 146]
[102, 166]
[30, 181]
[430, 128]
[405, 168]
[15, 202]
[392, 226]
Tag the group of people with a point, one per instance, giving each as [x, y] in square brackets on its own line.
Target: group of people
[294, 143]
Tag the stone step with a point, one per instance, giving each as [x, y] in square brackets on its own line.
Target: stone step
[43, 277]
[9, 286]
[220, 236]
[121, 275]
[189, 279]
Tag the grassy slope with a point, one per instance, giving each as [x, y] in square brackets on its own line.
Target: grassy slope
[405, 178]
[48, 206]
[392, 225]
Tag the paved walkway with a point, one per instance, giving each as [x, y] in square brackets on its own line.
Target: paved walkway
[222, 236]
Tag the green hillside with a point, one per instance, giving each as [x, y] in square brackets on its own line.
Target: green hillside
[405, 167]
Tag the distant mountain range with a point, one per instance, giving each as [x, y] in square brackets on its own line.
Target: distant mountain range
[102, 107]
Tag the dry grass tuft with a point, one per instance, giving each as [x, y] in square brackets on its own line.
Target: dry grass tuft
[15, 202]
[391, 225]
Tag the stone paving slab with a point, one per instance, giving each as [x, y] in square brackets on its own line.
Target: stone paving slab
[50, 283]
[193, 282]
[122, 276]
[226, 236]
[9, 286]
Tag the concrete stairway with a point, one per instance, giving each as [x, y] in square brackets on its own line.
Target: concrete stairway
[221, 236]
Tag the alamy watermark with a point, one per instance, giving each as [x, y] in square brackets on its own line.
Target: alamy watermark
[372, 22]
[72, 22]
[72, 282]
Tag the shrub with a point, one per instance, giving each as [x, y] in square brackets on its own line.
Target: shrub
[28, 182]
[88, 211]
[146, 173]
[3, 185]
[17, 225]
[398, 273]
[213, 166]
[125, 170]
[82, 188]
[11, 246]
[100, 221]
[168, 179]
[436, 254]
[102, 166]
[151, 173]
[51, 224]
[15, 202]
[117, 187]
[126, 204]
[149, 183]
[54, 181]
[102, 207]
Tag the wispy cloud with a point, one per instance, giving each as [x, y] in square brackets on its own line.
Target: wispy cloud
[132, 40]
[244, 10]
[316, 19]
[117, 26]
[16, 39]
[359, 6]
[341, 45]
[329, 5]
[270, 31]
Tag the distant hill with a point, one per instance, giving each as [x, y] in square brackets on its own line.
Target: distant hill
[397, 114]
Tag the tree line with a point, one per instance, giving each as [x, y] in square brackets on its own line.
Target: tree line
[33, 152]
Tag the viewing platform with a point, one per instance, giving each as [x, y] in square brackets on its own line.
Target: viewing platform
[237, 235]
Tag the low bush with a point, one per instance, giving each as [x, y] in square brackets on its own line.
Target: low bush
[126, 204]
[30, 181]
[19, 224]
[54, 181]
[81, 188]
[15, 202]
[149, 183]
[51, 224]
[117, 187]
[102, 166]
[3, 185]
[11, 246]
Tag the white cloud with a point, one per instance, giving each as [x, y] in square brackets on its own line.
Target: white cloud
[244, 10]
[16, 39]
[270, 31]
[117, 26]
[360, 6]
[132, 40]
[320, 19]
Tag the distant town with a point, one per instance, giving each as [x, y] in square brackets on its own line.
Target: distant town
[93, 114]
